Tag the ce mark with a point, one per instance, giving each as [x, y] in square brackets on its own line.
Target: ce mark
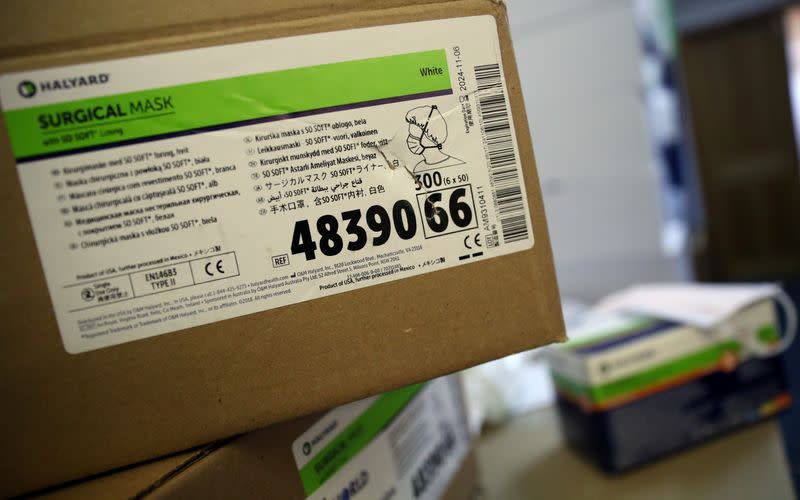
[472, 241]
[217, 266]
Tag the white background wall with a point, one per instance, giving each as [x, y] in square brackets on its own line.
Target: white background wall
[578, 62]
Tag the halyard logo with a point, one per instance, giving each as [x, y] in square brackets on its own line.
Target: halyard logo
[309, 446]
[26, 89]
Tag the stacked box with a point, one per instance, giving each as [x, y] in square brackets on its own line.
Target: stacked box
[409, 443]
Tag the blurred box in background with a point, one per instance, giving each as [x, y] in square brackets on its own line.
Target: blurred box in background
[409, 443]
[647, 387]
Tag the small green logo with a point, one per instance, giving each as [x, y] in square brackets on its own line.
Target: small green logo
[26, 89]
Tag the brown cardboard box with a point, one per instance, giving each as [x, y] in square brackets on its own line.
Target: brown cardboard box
[69, 416]
[221, 474]
[259, 465]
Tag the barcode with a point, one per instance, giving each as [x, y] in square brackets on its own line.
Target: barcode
[500, 153]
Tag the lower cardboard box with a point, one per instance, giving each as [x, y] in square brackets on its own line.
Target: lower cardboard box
[409, 443]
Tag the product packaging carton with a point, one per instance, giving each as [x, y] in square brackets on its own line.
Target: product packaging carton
[648, 387]
[224, 215]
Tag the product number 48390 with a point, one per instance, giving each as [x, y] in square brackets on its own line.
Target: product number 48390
[380, 223]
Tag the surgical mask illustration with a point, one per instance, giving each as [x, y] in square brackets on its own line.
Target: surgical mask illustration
[427, 133]
[415, 144]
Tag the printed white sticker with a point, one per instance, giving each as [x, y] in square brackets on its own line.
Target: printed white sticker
[180, 189]
[405, 444]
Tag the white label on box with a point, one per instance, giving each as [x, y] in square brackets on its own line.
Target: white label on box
[180, 189]
[407, 443]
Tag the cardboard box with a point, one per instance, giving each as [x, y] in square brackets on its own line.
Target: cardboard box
[194, 347]
[261, 464]
[616, 387]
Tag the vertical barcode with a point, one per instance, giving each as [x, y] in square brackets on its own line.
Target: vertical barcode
[500, 153]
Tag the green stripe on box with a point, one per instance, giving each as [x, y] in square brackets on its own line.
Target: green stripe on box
[650, 377]
[218, 102]
[355, 437]
[576, 389]
[768, 334]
